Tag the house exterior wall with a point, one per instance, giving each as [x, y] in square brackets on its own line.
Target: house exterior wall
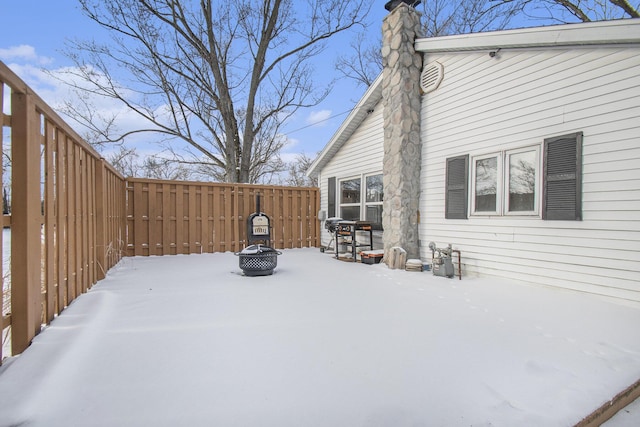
[361, 155]
[515, 99]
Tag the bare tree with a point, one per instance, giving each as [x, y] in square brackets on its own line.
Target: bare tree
[364, 62]
[439, 18]
[443, 18]
[567, 11]
[125, 160]
[297, 172]
[160, 168]
[222, 76]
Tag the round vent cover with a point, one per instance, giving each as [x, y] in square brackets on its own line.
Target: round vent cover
[431, 76]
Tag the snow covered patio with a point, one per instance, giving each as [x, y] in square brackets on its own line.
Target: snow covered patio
[189, 341]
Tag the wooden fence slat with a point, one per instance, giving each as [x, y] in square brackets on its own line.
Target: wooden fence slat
[26, 217]
[166, 219]
[152, 219]
[61, 220]
[138, 219]
[101, 227]
[205, 218]
[77, 159]
[49, 225]
[192, 237]
[180, 222]
[218, 215]
[84, 168]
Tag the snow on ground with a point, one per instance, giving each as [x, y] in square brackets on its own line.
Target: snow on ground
[189, 341]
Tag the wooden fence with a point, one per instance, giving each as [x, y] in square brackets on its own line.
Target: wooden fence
[169, 217]
[67, 212]
[73, 216]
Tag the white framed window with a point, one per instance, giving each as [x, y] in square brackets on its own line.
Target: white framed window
[522, 176]
[486, 184]
[362, 202]
[506, 183]
[545, 182]
[374, 194]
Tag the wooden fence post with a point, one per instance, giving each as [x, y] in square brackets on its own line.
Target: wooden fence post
[101, 217]
[26, 216]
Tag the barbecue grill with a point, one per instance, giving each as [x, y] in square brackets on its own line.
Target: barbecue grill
[331, 225]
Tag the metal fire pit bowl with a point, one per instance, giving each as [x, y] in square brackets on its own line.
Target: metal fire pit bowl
[258, 260]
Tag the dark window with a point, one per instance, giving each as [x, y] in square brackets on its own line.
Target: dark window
[350, 191]
[562, 198]
[331, 196]
[456, 187]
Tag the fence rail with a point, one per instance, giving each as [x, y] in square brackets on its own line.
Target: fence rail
[169, 217]
[73, 216]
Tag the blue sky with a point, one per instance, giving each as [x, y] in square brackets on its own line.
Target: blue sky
[33, 34]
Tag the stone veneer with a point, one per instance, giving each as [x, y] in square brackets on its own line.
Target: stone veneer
[402, 151]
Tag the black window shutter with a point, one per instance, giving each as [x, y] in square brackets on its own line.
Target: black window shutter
[331, 196]
[456, 187]
[562, 198]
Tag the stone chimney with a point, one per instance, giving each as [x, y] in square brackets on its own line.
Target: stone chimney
[402, 149]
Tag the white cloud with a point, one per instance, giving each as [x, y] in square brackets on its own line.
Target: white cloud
[23, 53]
[289, 157]
[318, 118]
[51, 87]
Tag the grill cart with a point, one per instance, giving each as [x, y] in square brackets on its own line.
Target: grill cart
[259, 258]
[348, 230]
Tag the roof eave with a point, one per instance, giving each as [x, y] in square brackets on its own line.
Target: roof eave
[623, 31]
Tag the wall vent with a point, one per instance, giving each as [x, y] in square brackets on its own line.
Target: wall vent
[432, 75]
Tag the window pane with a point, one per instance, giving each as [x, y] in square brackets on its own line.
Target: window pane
[374, 216]
[374, 188]
[522, 181]
[350, 213]
[350, 191]
[486, 185]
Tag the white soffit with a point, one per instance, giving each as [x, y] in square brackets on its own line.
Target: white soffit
[623, 31]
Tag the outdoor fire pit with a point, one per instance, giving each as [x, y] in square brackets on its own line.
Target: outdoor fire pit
[258, 259]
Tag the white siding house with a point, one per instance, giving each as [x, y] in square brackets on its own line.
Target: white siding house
[353, 154]
[513, 107]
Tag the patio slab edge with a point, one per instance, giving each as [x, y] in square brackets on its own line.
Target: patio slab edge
[612, 407]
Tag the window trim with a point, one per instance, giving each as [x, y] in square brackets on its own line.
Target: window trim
[537, 196]
[498, 156]
[365, 203]
[340, 204]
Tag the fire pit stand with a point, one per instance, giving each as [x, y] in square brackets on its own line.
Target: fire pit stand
[258, 259]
